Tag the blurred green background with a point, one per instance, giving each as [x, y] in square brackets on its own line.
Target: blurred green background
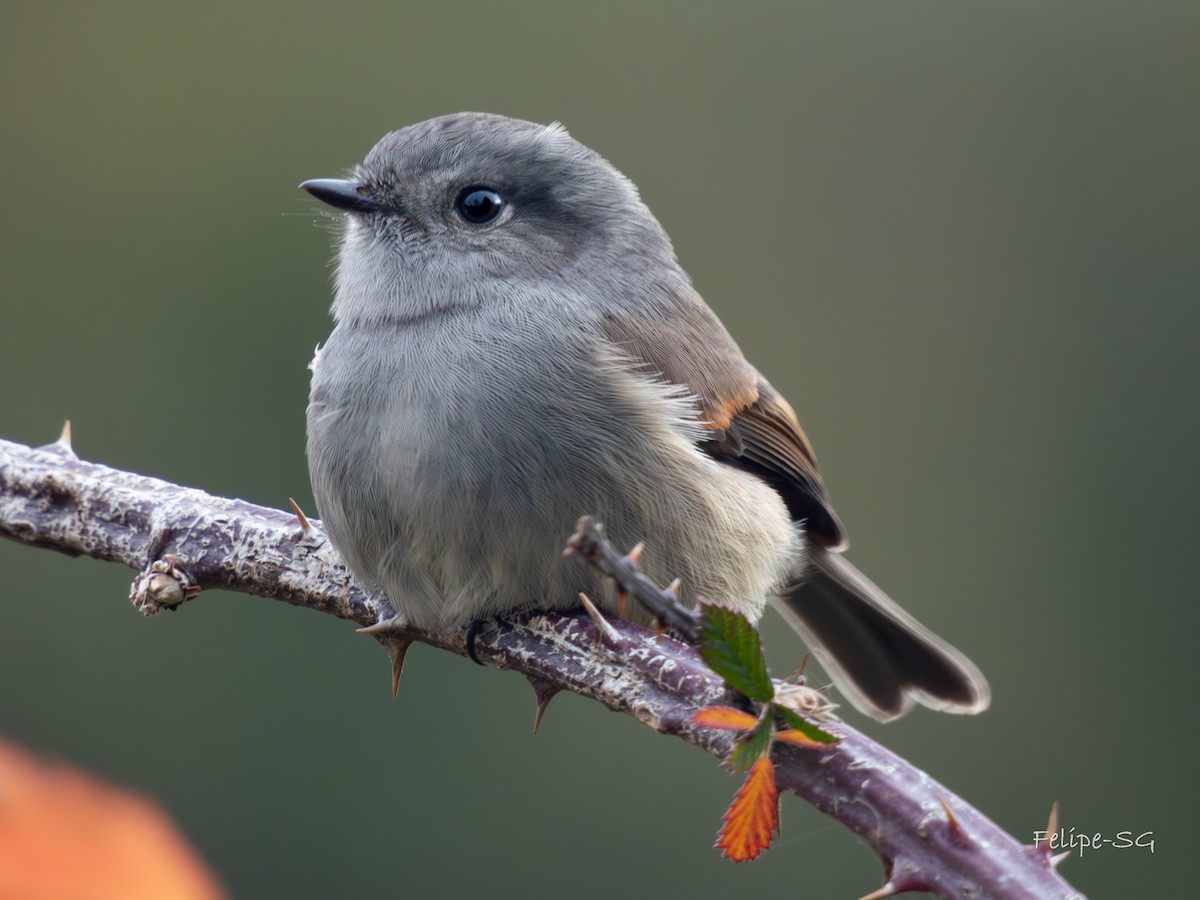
[960, 237]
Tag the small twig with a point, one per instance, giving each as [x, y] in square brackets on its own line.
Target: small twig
[590, 545]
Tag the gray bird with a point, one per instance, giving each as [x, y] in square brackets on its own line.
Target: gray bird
[515, 345]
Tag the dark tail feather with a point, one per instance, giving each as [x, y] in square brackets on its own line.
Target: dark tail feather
[880, 657]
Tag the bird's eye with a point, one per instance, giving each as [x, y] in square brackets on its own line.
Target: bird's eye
[479, 205]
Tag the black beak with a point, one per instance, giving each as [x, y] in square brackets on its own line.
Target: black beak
[344, 195]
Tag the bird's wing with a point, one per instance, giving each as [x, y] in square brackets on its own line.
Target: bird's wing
[748, 423]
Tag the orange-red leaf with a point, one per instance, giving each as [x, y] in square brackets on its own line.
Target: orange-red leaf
[753, 817]
[723, 717]
[65, 833]
[795, 736]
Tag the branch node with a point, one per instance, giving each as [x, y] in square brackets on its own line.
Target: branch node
[805, 701]
[164, 584]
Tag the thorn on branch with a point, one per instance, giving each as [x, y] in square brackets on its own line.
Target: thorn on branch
[544, 691]
[1051, 830]
[888, 890]
[608, 634]
[63, 444]
[1051, 827]
[949, 813]
[305, 525]
[957, 834]
[392, 637]
[397, 648]
[390, 625]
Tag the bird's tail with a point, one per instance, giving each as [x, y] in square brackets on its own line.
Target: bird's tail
[880, 657]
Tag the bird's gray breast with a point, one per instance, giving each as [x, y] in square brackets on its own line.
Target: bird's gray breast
[451, 456]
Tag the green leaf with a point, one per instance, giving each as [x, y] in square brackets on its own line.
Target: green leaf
[801, 724]
[731, 647]
[753, 747]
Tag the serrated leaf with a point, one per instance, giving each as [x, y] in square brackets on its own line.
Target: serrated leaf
[723, 717]
[752, 748]
[753, 817]
[801, 724]
[730, 645]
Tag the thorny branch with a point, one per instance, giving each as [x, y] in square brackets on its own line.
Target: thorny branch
[182, 541]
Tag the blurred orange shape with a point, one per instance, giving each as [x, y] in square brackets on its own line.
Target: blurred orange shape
[66, 835]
